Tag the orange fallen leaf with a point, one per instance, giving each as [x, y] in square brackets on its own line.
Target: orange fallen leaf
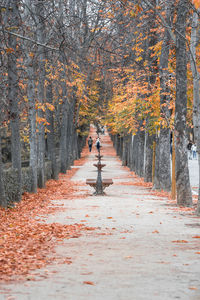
[155, 231]
[180, 241]
[197, 252]
[87, 273]
[196, 237]
[89, 282]
[193, 288]
[109, 217]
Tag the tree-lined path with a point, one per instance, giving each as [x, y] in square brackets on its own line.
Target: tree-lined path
[140, 246]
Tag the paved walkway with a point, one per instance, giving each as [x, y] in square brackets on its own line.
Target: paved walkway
[194, 175]
[143, 248]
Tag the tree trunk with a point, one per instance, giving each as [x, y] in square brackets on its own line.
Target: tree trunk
[50, 134]
[118, 145]
[148, 158]
[13, 98]
[3, 202]
[131, 152]
[125, 151]
[32, 122]
[40, 31]
[164, 155]
[164, 160]
[135, 154]
[196, 97]
[70, 156]
[64, 129]
[156, 181]
[141, 153]
[184, 195]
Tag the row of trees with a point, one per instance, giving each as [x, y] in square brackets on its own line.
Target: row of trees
[47, 64]
[156, 91]
[130, 64]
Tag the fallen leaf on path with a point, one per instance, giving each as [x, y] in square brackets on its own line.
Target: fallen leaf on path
[27, 243]
[109, 217]
[193, 288]
[67, 261]
[104, 233]
[196, 237]
[155, 231]
[126, 231]
[151, 212]
[128, 257]
[89, 282]
[197, 252]
[180, 241]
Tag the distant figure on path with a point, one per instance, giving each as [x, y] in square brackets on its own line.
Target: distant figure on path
[189, 147]
[98, 144]
[90, 143]
[194, 151]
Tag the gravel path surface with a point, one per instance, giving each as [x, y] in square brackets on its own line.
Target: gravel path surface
[143, 247]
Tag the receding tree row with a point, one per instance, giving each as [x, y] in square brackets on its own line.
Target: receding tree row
[45, 79]
[131, 65]
[163, 85]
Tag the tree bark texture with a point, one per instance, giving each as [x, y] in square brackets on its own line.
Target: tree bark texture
[13, 98]
[184, 195]
[51, 149]
[140, 157]
[164, 160]
[164, 155]
[148, 158]
[125, 151]
[64, 129]
[156, 180]
[40, 31]
[196, 97]
[3, 201]
[32, 123]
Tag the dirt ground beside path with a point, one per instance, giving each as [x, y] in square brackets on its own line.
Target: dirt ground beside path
[142, 247]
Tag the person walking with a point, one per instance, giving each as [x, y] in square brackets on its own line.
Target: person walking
[90, 143]
[98, 144]
[189, 147]
[194, 151]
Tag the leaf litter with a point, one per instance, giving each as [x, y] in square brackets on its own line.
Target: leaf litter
[26, 243]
